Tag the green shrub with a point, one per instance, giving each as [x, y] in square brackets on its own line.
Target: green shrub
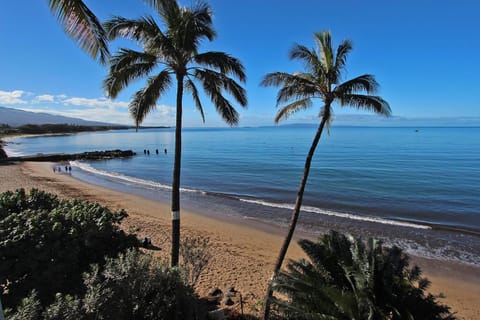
[46, 243]
[346, 278]
[132, 286]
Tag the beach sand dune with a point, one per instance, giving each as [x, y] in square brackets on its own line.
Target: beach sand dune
[242, 255]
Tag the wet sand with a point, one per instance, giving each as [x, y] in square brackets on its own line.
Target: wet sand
[243, 253]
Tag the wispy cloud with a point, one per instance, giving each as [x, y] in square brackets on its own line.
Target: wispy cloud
[45, 97]
[12, 97]
[94, 103]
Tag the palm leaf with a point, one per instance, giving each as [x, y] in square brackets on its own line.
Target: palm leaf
[310, 57]
[125, 67]
[83, 26]
[212, 87]
[135, 29]
[289, 109]
[144, 101]
[223, 62]
[341, 58]
[324, 43]
[365, 83]
[190, 86]
[366, 102]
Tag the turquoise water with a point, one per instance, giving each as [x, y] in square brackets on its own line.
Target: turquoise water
[428, 178]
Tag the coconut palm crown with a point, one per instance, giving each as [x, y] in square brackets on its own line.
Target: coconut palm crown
[322, 80]
[171, 56]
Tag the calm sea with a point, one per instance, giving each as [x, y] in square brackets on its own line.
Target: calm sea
[418, 186]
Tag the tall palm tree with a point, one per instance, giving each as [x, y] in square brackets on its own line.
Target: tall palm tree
[321, 80]
[346, 278]
[172, 54]
[83, 26]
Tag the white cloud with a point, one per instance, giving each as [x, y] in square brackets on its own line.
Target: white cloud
[93, 109]
[45, 97]
[12, 97]
[162, 116]
[94, 103]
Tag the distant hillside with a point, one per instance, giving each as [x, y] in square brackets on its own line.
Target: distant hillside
[15, 118]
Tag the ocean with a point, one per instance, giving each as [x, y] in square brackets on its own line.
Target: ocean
[414, 187]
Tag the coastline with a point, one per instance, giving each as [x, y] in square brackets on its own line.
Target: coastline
[243, 251]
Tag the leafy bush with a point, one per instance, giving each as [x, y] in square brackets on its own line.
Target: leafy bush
[195, 257]
[46, 243]
[132, 286]
[345, 278]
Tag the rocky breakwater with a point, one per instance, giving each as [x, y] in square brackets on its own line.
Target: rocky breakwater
[92, 155]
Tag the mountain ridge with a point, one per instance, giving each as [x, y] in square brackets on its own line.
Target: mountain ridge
[16, 117]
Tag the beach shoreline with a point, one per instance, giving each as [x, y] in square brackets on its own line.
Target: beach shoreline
[243, 252]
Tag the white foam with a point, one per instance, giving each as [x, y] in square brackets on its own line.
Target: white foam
[126, 179]
[339, 214]
[155, 185]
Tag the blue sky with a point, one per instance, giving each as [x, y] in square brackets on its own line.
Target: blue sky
[424, 53]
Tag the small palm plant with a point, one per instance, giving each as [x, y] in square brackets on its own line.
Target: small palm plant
[171, 56]
[321, 80]
[346, 278]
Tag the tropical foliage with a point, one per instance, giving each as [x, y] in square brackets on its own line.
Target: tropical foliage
[321, 80]
[46, 243]
[132, 286]
[172, 57]
[346, 278]
[81, 24]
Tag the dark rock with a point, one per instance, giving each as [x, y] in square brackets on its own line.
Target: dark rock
[229, 302]
[93, 155]
[215, 292]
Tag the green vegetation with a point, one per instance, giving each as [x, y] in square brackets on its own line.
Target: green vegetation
[53, 128]
[345, 278]
[47, 243]
[175, 51]
[322, 80]
[132, 286]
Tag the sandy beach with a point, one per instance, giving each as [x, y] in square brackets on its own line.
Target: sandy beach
[242, 254]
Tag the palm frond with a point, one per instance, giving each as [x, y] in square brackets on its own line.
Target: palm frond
[309, 57]
[190, 86]
[126, 66]
[366, 102]
[167, 9]
[364, 83]
[221, 81]
[144, 101]
[275, 79]
[83, 26]
[186, 27]
[324, 43]
[294, 86]
[223, 62]
[212, 83]
[289, 109]
[341, 58]
[135, 29]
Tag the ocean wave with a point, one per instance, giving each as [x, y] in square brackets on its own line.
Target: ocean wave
[127, 179]
[338, 214]
[156, 185]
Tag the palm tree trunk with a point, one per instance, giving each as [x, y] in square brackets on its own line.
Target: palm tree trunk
[176, 176]
[293, 221]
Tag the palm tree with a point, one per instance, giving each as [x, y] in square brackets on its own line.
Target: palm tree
[174, 53]
[346, 278]
[321, 80]
[83, 26]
